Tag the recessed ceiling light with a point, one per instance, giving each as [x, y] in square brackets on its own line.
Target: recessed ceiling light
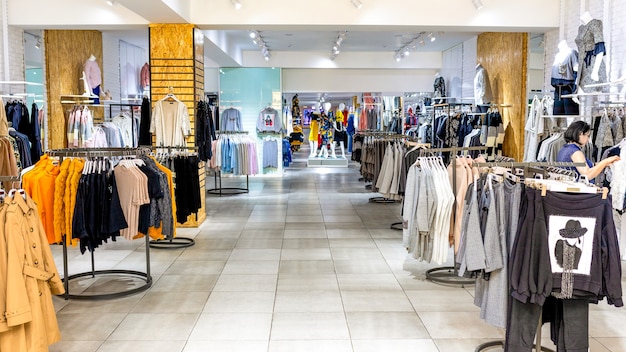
[236, 4]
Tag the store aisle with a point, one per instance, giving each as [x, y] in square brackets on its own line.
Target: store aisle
[301, 263]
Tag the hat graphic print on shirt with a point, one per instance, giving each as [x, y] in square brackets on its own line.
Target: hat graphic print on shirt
[572, 229]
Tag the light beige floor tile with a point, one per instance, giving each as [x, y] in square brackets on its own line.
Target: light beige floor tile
[185, 283]
[421, 345]
[267, 267]
[376, 301]
[119, 305]
[350, 233]
[310, 282]
[362, 267]
[94, 326]
[75, 346]
[200, 254]
[272, 234]
[304, 226]
[306, 254]
[310, 346]
[232, 326]
[342, 253]
[205, 267]
[266, 225]
[217, 240]
[240, 302]
[152, 346]
[364, 282]
[442, 301]
[150, 326]
[305, 243]
[255, 254]
[259, 244]
[307, 267]
[226, 346]
[607, 344]
[466, 344]
[234, 218]
[607, 323]
[265, 219]
[346, 226]
[245, 283]
[352, 243]
[311, 301]
[385, 325]
[304, 218]
[309, 326]
[172, 302]
[458, 325]
[306, 233]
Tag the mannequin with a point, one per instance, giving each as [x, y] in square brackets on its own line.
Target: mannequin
[93, 77]
[340, 131]
[314, 130]
[480, 88]
[326, 131]
[591, 51]
[563, 79]
[440, 89]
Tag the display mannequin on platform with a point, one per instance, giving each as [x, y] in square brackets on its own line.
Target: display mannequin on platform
[326, 131]
[340, 131]
[563, 79]
[314, 130]
[93, 77]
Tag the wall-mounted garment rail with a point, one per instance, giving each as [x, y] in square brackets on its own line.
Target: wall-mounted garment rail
[129, 125]
[120, 273]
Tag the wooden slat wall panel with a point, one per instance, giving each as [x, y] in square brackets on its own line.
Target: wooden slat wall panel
[65, 54]
[505, 58]
[175, 56]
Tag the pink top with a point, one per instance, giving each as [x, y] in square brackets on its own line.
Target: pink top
[93, 74]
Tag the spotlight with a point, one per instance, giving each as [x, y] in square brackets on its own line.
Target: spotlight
[253, 34]
[357, 3]
[110, 2]
[38, 44]
[406, 52]
[432, 37]
[478, 4]
[422, 42]
[236, 4]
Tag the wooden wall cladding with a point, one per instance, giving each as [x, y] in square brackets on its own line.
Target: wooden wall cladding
[177, 66]
[505, 59]
[65, 54]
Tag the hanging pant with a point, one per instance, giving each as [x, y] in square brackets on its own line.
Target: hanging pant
[569, 324]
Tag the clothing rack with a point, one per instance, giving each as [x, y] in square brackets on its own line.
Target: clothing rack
[175, 242]
[99, 152]
[219, 190]
[449, 274]
[390, 135]
[501, 343]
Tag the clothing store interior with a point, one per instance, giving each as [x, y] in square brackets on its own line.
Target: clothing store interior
[371, 176]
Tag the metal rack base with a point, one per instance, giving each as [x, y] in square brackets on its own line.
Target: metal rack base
[118, 274]
[447, 275]
[174, 243]
[396, 226]
[500, 343]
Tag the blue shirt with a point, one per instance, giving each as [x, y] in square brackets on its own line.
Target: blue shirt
[565, 155]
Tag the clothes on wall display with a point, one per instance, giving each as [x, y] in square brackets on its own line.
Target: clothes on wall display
[80, 127]
[28, 278]
[269, 121]
[27, 125]
[8, 161]
[270, 153]
[231, 120]
[590, 43]
[563, 79]
[144, 76]
[205, 130]
[129, 128]
[170, 122]
[145, 138]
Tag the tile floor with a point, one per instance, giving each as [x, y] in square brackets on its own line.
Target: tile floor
[303, 263]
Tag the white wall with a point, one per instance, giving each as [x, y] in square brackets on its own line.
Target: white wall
[470, 48]
[452, 72]
[356, 80]
[111, 65]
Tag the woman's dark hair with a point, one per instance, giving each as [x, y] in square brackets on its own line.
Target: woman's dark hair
[575, 130]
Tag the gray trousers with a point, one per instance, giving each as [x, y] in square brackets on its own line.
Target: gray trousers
[569, 324]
